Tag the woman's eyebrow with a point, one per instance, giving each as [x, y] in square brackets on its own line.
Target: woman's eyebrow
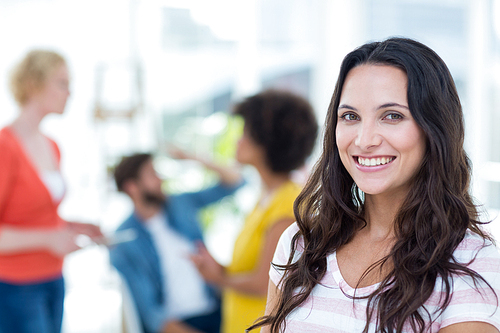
[345, 106]
[386, 105]
[389, 105]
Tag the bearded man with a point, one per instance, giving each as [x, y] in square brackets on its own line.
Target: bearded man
[168, 291]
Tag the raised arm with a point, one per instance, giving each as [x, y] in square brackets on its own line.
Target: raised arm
[229, 176]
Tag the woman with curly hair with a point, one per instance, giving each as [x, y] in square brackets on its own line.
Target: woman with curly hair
[279, 134]
[387, 237]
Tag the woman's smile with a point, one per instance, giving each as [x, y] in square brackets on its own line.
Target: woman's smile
[373, 161]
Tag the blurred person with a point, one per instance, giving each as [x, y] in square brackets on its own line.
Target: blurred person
[279, 134]
[168, 291]
[387, 237]
[33, 238]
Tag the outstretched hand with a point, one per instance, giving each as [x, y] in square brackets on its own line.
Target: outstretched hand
[88, 229]
[62, 241]
[211, 270]
[59, 241]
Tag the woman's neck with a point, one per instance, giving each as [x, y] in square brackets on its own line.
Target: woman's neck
[272, 180]
[380, 214]
[28, 121]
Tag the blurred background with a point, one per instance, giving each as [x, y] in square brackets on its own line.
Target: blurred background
[149, 72]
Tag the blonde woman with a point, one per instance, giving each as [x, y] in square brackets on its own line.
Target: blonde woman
[33, 238]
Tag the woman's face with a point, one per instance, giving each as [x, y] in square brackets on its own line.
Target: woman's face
[379, 142]
[52, 97]
[248, 151]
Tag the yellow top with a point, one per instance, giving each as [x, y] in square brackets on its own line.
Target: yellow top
[241, 310]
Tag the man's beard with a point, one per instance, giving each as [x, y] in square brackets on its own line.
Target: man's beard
[153, 199]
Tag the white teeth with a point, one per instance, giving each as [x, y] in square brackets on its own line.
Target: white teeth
[374, 161]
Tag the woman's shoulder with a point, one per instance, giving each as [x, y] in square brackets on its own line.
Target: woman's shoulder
[284, 247]
[475, 243]
[291, 231]
[8, 143]
[287, 236]
[6, 137]
[473, 299]
[474, 246]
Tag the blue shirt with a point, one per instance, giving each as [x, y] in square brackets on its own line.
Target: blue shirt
[138, 260]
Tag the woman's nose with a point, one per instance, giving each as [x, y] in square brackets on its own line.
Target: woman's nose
[368, 135]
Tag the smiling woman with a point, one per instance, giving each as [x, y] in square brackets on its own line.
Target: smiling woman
[387, 237]
[379, 142]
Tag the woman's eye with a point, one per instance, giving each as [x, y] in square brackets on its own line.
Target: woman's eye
[349, 116]
[394, 116]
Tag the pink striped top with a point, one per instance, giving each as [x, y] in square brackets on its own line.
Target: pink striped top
[329, 308]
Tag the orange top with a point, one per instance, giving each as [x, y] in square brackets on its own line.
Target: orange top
[25, 202]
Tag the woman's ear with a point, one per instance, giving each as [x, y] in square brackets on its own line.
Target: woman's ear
[32, 88]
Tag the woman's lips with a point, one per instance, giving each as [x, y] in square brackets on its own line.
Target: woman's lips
[373, 161]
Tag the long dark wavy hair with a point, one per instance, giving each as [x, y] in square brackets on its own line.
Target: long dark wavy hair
[431, 222]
